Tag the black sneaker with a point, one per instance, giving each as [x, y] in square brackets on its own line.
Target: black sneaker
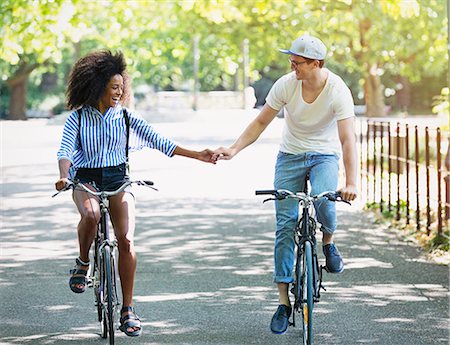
[333, 259]
[280, 320]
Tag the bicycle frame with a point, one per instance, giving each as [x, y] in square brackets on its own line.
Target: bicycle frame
[104, 272]
[307, 272]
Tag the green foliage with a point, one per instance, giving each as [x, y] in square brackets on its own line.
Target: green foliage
[440, 242]
[441, 102]
[432, 242]
[157, 38]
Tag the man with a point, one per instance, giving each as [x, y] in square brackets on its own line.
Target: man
[319, 127]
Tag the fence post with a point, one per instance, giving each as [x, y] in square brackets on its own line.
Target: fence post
[447, 183]
[368, 159]
[407, 173]
[381, 164]
[427, 164]
[439, 175]
[416, 139]
[389, 167]
[397, 217]
[374, 127]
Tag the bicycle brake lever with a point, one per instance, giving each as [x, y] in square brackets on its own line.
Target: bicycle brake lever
[339, 198]
[270, 199]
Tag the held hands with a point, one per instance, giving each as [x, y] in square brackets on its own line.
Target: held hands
[224, 153]
[206, 156]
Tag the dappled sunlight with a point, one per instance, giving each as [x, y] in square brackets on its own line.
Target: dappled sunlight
[395, 319]
[31, 251]
[235, 295]
[384, 294]
[58, 307]
[167, 327]
[204, 247]
[53, 338]
[354, 263]
[174, 297]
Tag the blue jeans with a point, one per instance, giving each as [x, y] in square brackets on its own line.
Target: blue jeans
[290, 173]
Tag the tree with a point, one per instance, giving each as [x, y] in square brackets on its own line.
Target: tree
[33, 34]
[405, 38]
[380, 42]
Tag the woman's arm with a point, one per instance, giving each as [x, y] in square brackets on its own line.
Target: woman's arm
[64, 166]
[204, 156]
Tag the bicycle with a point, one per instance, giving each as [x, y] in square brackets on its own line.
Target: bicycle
[307, 271]
[103, 276]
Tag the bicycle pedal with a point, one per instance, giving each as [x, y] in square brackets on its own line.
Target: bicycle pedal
[90, 283]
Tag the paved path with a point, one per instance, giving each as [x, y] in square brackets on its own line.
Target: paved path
[204, 245]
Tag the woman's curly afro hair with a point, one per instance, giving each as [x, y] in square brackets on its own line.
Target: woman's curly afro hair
[90, 76]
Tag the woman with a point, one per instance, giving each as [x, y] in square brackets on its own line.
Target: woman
[93, 150]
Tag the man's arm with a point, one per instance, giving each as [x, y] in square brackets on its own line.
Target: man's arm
[250, 134]
[346, 129]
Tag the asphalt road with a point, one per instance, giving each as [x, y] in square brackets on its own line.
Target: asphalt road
[204, 244]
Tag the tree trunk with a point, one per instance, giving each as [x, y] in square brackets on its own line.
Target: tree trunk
[17, 108]
[374, 94]
[404, 94]
[18, 85]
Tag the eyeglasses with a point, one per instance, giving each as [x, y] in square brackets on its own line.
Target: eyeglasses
[296, 63]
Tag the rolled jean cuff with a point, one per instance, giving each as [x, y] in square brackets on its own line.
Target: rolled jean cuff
[327, 231]
[281, 279]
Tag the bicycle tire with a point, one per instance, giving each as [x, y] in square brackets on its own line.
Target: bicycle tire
[97, 277]
[307, 291]
[109, 293]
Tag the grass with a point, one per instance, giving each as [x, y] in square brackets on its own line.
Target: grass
[435, 245]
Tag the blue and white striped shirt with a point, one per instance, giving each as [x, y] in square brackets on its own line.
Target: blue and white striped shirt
[98, 141]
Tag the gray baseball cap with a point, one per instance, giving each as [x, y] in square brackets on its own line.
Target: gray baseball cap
[307, 46]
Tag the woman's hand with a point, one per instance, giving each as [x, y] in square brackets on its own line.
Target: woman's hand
[61, 183]
[206, 156]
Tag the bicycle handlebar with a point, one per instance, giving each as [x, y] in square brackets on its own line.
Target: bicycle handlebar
[281, 194]
[74, 184]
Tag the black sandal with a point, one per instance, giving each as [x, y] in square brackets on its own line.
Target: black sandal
[78, 277]
[130, 320]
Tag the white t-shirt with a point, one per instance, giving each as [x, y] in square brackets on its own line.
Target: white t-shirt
[311, 127]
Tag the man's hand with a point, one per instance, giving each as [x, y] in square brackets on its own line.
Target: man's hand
[349, 193]
[224, 153]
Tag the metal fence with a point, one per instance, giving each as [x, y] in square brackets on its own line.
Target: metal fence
[403, 171]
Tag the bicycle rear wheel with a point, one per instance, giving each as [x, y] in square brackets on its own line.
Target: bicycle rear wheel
[109, 289]
[307, 292]
[97, 278]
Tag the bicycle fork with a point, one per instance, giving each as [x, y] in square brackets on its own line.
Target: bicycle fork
[297, 290]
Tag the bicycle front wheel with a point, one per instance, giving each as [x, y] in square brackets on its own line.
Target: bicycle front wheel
[109, 305]
[307, 292]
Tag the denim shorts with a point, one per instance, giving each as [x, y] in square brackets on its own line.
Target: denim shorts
[108, 179]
